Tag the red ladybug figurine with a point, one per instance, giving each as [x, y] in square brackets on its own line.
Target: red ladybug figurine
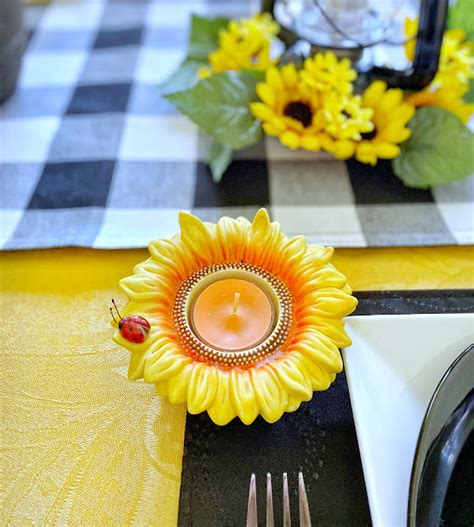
[132, 328]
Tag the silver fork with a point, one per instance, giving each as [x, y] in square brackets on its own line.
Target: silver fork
[305, 520]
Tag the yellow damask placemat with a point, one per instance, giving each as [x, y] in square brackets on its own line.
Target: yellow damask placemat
[80, 444]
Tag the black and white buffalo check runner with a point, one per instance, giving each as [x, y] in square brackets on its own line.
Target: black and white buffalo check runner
[91, 155]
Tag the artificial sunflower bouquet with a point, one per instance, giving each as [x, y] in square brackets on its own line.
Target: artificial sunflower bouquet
[235, 87]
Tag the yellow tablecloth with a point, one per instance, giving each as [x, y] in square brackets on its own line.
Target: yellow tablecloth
[81, 445]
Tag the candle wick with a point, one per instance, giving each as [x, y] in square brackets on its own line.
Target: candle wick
[235, 306]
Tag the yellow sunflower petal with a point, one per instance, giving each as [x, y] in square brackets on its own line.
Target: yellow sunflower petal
[318, 348]
[343, 149]
[202, 388]
[410, 29]
[271, 129]
[136, 368]
[311, 142]
[391, 100]
[347, 289]
[289, 256]
[147, 288]
[373, 93]
[222, 411]
[293, 377]
[290, 75]
[165, 360]
[271, 397]
[387, 150]
[456, 34]
[170, 257]
[164, 266]
[320, 378]
[262, 111]
[232, 237]
[293, 404]
[366, 153]
[274, 79]
[266, 93]
[394, 133]
[331, 302]
[331, 328]
[290, 139]
[197, 238]
[263, 239]
[243, 396]
[404, 113]
[327, 276]
[316, 256]
[177, 386]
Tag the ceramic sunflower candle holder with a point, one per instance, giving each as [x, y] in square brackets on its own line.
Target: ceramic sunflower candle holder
[243, 321]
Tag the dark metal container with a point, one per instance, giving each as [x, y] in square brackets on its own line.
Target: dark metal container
[12, 45]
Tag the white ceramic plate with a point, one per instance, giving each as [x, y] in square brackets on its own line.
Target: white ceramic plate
[393, 368]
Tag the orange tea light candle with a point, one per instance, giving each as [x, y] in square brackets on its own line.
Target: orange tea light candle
[232, 314]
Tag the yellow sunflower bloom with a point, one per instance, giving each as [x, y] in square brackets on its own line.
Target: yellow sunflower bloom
[243, 45]
[289, 109]
[410, 27]
[456, 60]
[345, 117]
[307, 360]
[325, 72]
[448, 97]
[391, 114]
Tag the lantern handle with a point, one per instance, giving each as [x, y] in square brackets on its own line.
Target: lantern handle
[431, 26]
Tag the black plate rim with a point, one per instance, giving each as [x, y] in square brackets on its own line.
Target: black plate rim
[426, 419]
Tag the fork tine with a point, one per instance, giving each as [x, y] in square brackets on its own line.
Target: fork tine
[269, 521]
[305, 520]
[286, 502]
[252, 504]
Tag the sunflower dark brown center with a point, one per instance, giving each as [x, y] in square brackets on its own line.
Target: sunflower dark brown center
[300, 112]
[369, 135]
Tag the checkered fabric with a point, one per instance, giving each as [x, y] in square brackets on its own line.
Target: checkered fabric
[91, 154]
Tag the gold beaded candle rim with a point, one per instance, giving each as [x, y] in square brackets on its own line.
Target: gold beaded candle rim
[198, 350]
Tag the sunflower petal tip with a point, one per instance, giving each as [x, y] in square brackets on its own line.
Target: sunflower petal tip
[262, 215]
[189, 224]
[185, 218]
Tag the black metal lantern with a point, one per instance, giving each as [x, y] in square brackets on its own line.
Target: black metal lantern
[355, 28]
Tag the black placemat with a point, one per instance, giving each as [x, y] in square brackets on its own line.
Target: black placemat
[415, 302]
[319, 439]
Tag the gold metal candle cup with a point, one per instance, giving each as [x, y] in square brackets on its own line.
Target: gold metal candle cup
[277, 293]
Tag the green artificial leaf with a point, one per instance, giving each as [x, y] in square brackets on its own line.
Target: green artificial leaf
[219, 158]
[461, 16]
[219, 105]
[469, 97]
[440, 150]
[183, 78]
[204, 37]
